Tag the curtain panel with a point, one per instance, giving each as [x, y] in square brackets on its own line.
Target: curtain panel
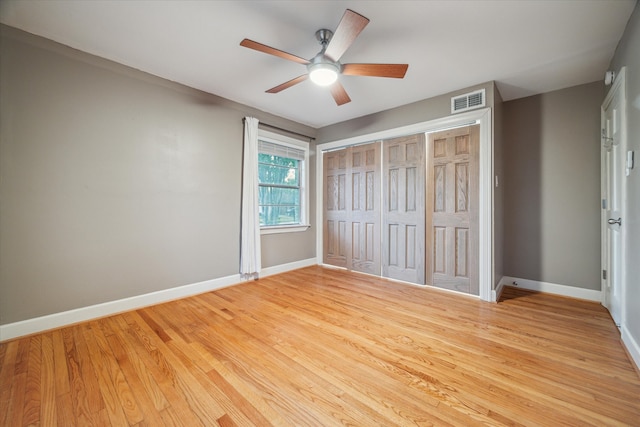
[250, 256]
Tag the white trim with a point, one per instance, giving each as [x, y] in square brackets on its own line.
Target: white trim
[482, 116]
[631, 344]
[276, 138]
[618, 88]
[485, 217]
[65, 318]
[435, 125]
[551, 288]
[276, 229]
[497, 292]
[283, 268]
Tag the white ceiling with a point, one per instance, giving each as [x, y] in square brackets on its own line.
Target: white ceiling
[528, 47]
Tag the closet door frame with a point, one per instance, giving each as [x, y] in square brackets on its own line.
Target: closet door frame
[481, 117]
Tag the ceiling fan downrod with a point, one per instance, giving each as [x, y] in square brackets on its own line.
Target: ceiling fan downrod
[324, 37]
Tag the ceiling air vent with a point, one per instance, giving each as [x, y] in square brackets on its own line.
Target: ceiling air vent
[468, 101]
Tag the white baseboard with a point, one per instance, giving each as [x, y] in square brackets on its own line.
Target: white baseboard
[65, 318]
[495, 294]
[552, 288]
[283, 268]
[632, 345]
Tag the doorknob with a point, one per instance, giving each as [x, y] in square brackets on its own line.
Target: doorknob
[615, 221]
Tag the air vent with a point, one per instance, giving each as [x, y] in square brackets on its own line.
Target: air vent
[468, 101]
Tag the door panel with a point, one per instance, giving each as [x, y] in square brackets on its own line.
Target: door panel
[364, 215]
[403, 213]
[352, 208]
[452, 209]
[335, 212]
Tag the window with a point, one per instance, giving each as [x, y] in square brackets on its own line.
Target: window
[283, 181]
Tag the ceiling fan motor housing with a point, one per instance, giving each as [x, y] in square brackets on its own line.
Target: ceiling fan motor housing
[324, 37]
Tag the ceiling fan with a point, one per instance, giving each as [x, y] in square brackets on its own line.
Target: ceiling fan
[324, 68]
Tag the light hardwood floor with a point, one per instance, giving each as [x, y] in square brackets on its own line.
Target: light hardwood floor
[320, 347]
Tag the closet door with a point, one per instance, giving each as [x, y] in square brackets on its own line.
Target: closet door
[364, 212]
[352, 208]
[452, 209]
[403, 239]
[336, 239]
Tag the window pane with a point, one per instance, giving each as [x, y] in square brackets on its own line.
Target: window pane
[279, 215]
[278, 196]
[281, 184]
[278, 170]
[279, 206]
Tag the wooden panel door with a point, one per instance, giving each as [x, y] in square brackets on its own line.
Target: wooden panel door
[352, 208]
[335, 239]
[403, 240]
[452, 209]
[364, 212]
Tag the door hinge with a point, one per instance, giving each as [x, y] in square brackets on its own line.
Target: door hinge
[604, 203]
[604, 274]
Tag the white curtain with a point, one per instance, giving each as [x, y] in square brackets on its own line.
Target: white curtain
[250, 264]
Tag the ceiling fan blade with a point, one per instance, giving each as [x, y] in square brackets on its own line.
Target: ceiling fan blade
[339, 94]
[288, 84]
[376, 70]
[350, 26]
[272, 51]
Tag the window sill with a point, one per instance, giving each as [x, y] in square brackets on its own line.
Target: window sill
[284, 229]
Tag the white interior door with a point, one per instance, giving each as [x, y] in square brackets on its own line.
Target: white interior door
[613, 157]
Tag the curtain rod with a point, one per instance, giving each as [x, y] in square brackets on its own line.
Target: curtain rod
[283, 130]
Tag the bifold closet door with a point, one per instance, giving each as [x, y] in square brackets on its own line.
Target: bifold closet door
[352, 208]
[335, 239]
[452, 209]
[403, 223]
[364, 212]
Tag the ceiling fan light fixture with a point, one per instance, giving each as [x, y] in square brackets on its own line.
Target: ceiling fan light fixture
[324, 68]
[323, 74]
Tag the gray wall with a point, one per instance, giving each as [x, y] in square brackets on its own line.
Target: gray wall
[115, 183]
[628, 54]
[552, 187]
[417, 112]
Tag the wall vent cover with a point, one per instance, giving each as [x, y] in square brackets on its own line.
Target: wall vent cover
[468, 101]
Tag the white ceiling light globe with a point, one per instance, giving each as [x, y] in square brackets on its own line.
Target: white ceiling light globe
[323, 74]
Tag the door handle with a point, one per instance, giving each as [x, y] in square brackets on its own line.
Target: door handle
[615, 221]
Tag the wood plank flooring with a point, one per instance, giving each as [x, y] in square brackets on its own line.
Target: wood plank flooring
[321, 347]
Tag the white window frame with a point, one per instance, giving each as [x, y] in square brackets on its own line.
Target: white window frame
[286, 141]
